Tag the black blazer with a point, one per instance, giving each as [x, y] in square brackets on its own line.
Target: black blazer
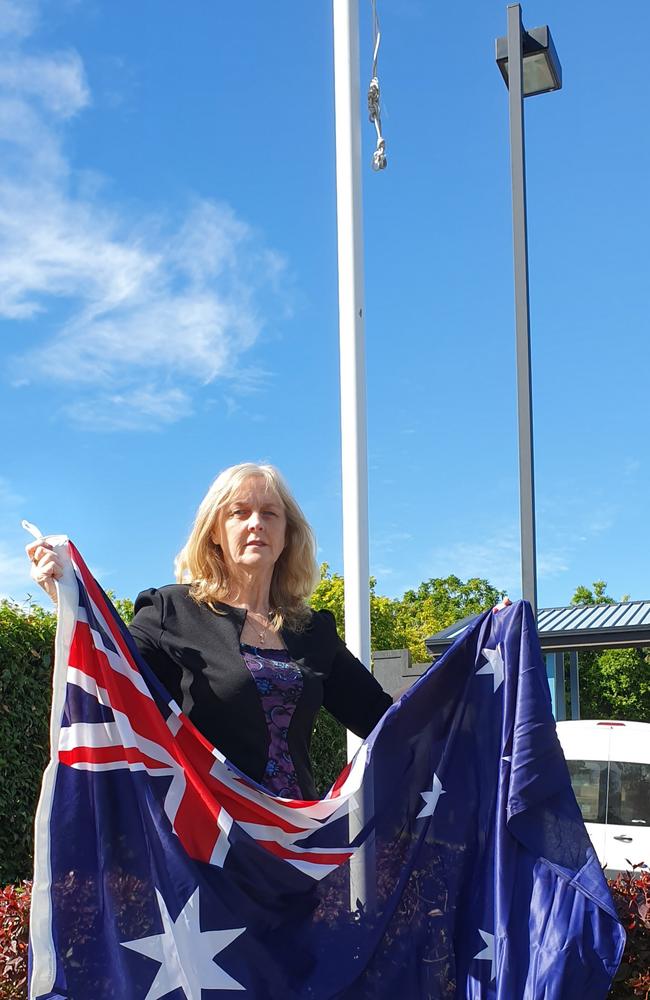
[195, 653]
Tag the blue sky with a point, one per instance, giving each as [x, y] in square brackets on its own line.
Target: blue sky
[168, 286]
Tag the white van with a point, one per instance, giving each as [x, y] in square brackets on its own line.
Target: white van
[609, 763]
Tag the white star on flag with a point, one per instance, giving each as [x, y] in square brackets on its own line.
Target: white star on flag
[185, 953]
[431, 798]
[493, 666]
[354, 804]
[488, 952]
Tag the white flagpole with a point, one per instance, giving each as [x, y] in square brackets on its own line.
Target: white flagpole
[354, 448]
[354, 458]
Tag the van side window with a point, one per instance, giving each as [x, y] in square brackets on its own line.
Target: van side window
[629, 794]
[628, 799]
[589, 780]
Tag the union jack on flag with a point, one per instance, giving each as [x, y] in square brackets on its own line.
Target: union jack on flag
[161, 871]
[148, 732]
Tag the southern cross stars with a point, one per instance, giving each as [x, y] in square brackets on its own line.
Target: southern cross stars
[431, 798]
[488, 952]
[185, 953]
[493, 666]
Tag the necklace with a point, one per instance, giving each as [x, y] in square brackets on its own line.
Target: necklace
[262, 620]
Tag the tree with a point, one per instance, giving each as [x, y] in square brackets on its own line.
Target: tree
[123, 606]
[384, 625]
[328, 749]
[328, 596]
[597, 595]
[438, 603]
[623, 685]
[395, 624]
[614, 683]
[405, 623]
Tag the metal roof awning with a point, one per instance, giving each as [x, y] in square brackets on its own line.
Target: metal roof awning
[578, 626]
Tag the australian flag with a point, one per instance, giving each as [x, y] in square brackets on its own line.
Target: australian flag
[448, 860]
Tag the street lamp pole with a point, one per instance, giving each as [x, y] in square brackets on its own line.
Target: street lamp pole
[522, 308]
[529, 65]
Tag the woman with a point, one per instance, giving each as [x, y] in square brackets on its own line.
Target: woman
[234, 641]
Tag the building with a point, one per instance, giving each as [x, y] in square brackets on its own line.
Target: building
[563, 633]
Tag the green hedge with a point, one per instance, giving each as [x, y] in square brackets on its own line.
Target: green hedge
[26, 657]
[328, 751]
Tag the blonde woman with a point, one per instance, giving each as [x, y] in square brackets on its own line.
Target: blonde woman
[234, 641]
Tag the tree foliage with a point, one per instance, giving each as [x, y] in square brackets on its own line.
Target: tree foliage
[594, 595]
[123, 606]
[438, 603]
[404, 623]
[614, 683]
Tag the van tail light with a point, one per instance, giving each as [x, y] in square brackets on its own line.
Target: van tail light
[610, 723]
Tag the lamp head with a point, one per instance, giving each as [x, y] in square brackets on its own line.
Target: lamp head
[541, 67]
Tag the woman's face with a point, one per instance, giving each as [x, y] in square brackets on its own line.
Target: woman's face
[253, 527]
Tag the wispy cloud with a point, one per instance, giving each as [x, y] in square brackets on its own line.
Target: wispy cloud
[14, 573]
[153, 307]
[147, 407]
[600, 521]
[390, 538]
[8, 496]
[497, 558]
[17, 18]
[14, 566]
[552, 563]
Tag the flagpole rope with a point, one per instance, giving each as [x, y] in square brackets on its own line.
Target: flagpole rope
[379, 161]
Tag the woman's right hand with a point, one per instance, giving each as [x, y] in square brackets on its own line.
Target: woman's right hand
[46, 566]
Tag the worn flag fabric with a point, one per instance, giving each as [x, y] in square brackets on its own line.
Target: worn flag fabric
[448, 860]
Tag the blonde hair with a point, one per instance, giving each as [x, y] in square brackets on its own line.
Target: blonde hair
[201, 563]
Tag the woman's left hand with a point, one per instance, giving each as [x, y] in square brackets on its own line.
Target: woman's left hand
[505, 603]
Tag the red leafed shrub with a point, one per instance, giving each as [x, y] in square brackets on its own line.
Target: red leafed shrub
[631, 892]
[14, 935]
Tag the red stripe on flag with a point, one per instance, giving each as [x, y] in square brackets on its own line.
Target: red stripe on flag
[97, 596]
[299, 803]
[108, 755]
[244, 811]
[196, 821]
[239, 807]
[340, 781]
[315, 859]
[123, 695]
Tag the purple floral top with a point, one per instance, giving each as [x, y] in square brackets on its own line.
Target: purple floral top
[279, 685]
